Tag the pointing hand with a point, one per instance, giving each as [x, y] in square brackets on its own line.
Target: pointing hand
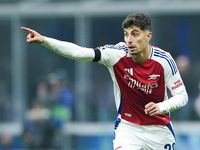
[33, 36]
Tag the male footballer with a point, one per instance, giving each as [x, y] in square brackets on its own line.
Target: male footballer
[141, 74]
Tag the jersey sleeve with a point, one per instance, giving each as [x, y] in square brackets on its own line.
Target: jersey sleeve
[69, 50]
[108, 55]
[176, 86]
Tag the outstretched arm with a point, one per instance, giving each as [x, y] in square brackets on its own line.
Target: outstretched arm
[66, 49]
[33, 36]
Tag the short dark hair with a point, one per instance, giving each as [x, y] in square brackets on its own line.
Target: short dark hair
[143, 21]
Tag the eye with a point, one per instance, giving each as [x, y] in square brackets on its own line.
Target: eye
[135, 34]
[125, 34]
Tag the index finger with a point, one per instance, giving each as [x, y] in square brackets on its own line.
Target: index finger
[27, 29]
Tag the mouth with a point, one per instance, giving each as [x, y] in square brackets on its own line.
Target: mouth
[131, 47]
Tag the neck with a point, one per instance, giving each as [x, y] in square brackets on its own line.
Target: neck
[143, 56]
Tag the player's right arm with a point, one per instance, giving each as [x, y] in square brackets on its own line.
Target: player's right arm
[63, 48]
[73, 51]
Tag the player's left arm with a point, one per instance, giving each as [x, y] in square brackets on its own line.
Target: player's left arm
[179, 95]
[177, 88]
[178, 100]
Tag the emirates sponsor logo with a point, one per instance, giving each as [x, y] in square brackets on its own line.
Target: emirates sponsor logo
[177, 84]
[146, 88]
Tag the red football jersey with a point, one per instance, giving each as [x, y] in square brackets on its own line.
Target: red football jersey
[137, 84]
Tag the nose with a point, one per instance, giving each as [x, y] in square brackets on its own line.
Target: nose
[129, 39]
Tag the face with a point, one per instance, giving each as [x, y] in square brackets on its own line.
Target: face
[137, 40]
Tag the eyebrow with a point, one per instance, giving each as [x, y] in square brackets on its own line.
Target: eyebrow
[134, 30]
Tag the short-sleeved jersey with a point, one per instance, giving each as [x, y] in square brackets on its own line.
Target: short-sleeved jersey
[136, 84]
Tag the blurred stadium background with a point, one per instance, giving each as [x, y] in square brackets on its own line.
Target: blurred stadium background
[50, 102]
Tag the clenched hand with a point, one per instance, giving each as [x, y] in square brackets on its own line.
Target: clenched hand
[152, 109]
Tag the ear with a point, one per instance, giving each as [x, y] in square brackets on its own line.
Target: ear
[149, 35]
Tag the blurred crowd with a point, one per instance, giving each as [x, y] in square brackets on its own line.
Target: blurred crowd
[191, 79]
[52, 106]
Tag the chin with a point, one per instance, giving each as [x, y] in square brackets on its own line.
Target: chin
[133, 53]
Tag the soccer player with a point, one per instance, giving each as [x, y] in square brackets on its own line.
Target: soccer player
[141, 74]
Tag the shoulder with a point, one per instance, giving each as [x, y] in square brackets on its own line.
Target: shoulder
[164, 58]
[158, 52]
[110, 54]
[118, 46]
